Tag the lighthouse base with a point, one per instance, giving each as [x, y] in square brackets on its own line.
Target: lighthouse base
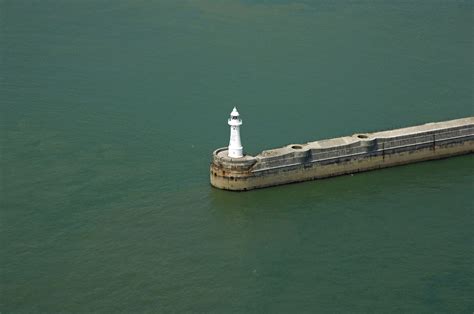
[235, 152]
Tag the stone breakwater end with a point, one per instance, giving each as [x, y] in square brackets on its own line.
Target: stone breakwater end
[344, 155]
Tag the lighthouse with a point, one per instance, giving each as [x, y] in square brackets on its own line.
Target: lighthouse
[235, 146]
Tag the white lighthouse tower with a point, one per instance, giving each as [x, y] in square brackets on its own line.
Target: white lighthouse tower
[235, 146]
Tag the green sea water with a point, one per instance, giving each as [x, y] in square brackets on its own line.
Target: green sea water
[110, 111]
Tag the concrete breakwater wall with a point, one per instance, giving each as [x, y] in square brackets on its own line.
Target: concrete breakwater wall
[344, 155]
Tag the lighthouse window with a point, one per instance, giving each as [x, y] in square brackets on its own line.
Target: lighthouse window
[234, 117]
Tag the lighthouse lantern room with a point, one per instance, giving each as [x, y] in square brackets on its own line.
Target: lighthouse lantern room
[235, 146]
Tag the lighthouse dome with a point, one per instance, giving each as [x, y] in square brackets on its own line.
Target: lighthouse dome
[234, 112]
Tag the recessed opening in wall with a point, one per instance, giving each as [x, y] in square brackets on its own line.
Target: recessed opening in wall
[296, 146]
[362, 136]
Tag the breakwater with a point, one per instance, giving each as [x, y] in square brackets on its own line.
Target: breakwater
[343, 155]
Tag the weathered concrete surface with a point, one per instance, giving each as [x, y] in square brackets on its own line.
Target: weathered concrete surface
[344, 155]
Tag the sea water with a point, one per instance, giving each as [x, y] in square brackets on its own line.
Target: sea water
[110, 111]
